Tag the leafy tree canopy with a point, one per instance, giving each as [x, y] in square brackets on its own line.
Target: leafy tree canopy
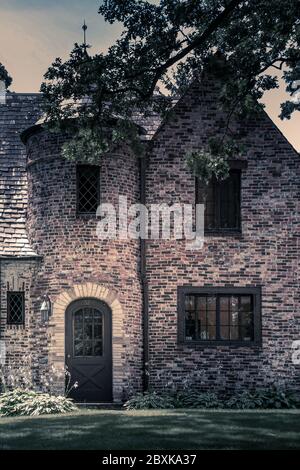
[4, 77]
[162, 48]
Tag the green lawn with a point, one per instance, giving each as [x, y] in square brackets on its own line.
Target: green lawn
[156, 430]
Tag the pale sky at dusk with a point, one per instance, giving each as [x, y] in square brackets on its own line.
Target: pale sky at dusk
[34, 32]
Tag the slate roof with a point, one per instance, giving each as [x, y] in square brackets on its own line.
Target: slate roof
[20, 112]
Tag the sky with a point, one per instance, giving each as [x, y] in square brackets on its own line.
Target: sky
[34, 32]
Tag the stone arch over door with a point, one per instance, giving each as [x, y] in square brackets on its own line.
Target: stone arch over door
[57, 332]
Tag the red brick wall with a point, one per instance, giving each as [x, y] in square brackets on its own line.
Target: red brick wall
[266, 253]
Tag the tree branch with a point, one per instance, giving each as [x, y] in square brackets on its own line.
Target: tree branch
[196, 42]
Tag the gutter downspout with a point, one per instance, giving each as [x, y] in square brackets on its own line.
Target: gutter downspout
[144, 283]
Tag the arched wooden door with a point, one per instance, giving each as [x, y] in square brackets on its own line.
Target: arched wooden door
[89, 350]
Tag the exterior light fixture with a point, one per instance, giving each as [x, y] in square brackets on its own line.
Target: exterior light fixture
[45, 308]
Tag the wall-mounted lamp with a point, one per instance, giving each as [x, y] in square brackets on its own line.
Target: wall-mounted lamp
[45, 308]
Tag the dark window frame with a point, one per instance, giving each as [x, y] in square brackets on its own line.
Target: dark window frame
[80, 213]
[255, 292]
[8, 320]
[216, 187]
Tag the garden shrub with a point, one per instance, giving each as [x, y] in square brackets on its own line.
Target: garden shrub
[21, 402]
[197, 400]
[148, 401]
[271, 398]
[244, 401]
[276, 397]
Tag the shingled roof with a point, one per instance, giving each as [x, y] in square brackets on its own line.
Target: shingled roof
[20, 112]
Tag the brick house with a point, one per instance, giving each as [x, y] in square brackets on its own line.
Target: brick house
[128, 314]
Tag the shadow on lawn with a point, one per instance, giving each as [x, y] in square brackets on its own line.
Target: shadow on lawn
[159, 430]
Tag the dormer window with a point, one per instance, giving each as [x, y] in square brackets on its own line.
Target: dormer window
[88, 189]
[222, 203]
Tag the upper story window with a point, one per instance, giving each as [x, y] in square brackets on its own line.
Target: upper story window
[15, 308]
[219, 315]
[222, 203]
[88, 189]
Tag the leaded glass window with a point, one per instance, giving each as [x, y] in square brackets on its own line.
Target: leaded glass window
[88, 189]
[15, 308]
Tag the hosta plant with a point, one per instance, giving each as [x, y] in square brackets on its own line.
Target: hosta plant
[148, 401]
[197, 400]
[276, 397]
[269, 398]
[21, 402]
[244, 400]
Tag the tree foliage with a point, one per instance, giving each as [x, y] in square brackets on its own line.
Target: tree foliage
[162, 48]
[212, 160]
[4, 76]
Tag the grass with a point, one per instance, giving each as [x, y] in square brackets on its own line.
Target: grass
[154, 430]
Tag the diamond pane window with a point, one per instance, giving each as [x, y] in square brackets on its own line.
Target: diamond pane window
[87, 189]
[15, 308]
